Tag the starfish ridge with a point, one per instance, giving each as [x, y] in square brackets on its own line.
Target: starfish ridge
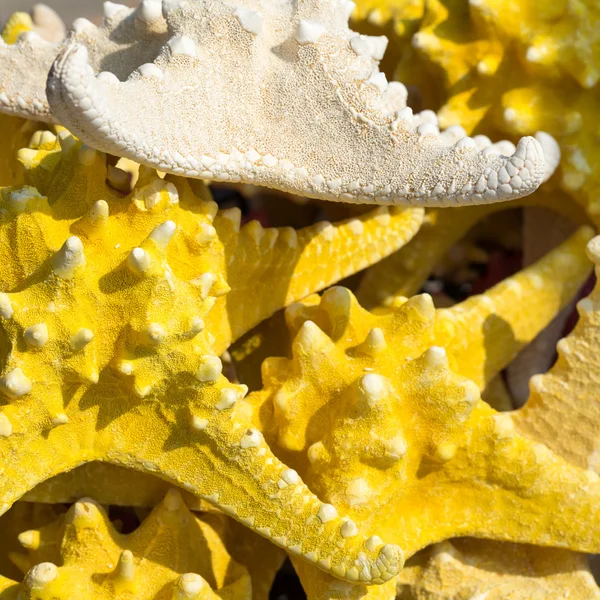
[115, 311]
[370, 413]
[173, 554]
[269, 93]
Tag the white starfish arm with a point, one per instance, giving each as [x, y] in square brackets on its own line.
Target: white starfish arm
[116, 47]
[48, 23]
[287, 97]
[23, 67]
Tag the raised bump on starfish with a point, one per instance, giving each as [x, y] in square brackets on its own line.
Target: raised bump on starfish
[41, 19]
[562, 409]
[322, 77]
[172, 554]
[515, 67]
[365, 379]
[122, 43]
[21, 517]
[113, 319]
[467, 569]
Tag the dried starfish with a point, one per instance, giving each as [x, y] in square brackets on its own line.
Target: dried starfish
[515, 68]
[470, 569]
[261, 558]
[173, 554]
[404, 272]
[563, 408]
[117, 310]
[247, 79]
[571, 430]
[119, 45]
[22, 516]
[360, 376]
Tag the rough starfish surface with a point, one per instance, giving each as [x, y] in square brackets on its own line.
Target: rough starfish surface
[125, 36]
[355, 376]
[506, 67]
[563, 408]
[327, 98]
[115, 310]
[173, 554]
[562, 413]
[471, 569]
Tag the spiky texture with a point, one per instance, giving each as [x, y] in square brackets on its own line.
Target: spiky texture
[514, 67]
[115, 311]
[32, 42]
[173, 554]
[368, 412]
[325, 92]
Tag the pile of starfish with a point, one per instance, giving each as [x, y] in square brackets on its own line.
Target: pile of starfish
[244, 331]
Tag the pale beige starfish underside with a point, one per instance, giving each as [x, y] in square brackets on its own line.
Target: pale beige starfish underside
[282, 95]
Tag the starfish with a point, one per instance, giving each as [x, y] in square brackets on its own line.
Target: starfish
[515, 68]
[431, 453]
[117, 308]
[172, 554]
[117, 45]
[249, 78]
[404, 272]
[467, 569]
[562, 413]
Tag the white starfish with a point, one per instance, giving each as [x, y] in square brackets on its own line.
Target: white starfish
[125, 36]
[281, 94]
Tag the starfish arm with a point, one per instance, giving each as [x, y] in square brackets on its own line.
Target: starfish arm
[469, 567]
[218, 456]
[23, 96]
[30, 454]
[322, 586]
[563, 410]
[172, 554]
[485, 332]
[283, 260]
[404, 272]
[384, 153]
[502, 486]
[107, 484]
[31, 44]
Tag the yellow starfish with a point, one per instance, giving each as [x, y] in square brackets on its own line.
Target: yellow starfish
[22, 516]
[562, 412]
[369, 413]
[502, 66]
[117, 309]
[172, 555]
[466, 569]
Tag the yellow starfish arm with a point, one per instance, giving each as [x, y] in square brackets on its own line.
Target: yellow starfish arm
[272, 268]
[466, 568]
[107, 484]
[485, 332]
[563, 409]
[173, 554]
[404, 272]
[217, 455]
[18, 23]
[9, 590]
[107, 328]
[22, 516]
[377, 423]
